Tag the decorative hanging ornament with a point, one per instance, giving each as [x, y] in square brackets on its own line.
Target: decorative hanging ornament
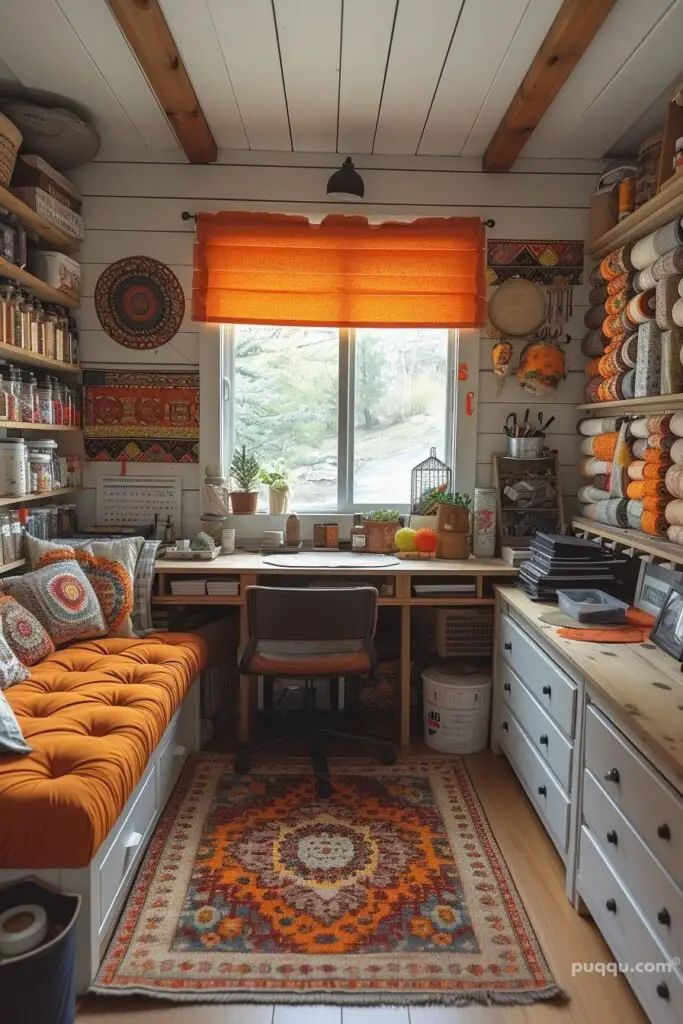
[541, 367]
[139, 302]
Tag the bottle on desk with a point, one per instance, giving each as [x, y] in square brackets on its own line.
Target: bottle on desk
[293, 530]
[169, 532]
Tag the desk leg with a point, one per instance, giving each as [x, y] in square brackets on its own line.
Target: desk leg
[405, 676]
[248, 684]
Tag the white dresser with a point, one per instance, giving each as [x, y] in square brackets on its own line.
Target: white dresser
[594, 733]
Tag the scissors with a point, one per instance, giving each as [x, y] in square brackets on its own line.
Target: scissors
[510, 427]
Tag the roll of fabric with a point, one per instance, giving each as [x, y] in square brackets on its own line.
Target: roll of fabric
[676, 452]
[590, 426]
[621, 283]
[659, 442]
[666, 294]
[680, 288]
[612, 326]
[602, 446]
[656, 505]
[639, 447]
[634, 512]
[594, 316]
[644, 279]
[612, 363]
[650, 248]
[677, 312]
[591, 466]
[628, 384]
[616, 303]
[610, 389]
[668, 265]
[642, 306]
[593, 367]
[590, 494]
[593, 344]
[674, 512]
[591, 391]
[674, 481]
[671, 368]
[595, 277]
[629, 350]
[636, 489]
[660, 424]
[675, 534]
[599, 293]
[620, 461]
[654, 471]
[636, 470]
[676, 424]
[639, 428]
[615, 511]
[648, 364]
[653, 523]
[617, 262]
[601, 481]
[653, 489]
[657, 457]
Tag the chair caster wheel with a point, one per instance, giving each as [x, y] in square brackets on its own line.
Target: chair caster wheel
[323, 788]
[241, 764]
[388, 756]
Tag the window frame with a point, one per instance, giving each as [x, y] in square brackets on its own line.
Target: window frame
[460, 411]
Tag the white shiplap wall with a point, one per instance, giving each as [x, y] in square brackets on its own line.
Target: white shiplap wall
[135, 209]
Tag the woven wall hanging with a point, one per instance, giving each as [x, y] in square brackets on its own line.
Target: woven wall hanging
[139, 302]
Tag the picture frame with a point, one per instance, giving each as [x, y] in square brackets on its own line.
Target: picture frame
[668, 630]
[653, 585]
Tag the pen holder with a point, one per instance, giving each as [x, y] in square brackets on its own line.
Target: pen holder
[526, 447]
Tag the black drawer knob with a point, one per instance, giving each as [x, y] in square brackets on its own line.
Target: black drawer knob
[508, 645]
[664, 832]
[542, 791]
[507, 687]
[611, 906]
[612, 837]
[663, 990]
[543, 739]
[612, 775]
[546, 691]
[664, 917]
[505, 726]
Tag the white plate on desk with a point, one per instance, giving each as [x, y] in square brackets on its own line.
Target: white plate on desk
[331, 560]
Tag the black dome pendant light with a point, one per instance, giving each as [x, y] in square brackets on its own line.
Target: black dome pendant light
[346, 183]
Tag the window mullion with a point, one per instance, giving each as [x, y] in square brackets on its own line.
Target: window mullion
[343, 420]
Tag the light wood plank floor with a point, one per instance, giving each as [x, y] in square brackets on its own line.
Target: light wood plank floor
[564, 936]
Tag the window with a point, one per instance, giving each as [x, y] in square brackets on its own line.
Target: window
[347, 412]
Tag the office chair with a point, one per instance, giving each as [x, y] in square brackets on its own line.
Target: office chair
[311, 634]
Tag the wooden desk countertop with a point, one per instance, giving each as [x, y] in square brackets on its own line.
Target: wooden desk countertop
[639, 681]
[251, 562]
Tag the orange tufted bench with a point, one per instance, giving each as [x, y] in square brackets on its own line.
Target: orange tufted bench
[93, 714]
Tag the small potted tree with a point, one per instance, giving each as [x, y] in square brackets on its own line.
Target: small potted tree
[278, 490]
[244, 471]
[381, 527]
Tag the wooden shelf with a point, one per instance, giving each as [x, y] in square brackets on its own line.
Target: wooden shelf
[36, 286]
[34, 222]
[31, 499]
[656, 403]
[9, 566]
[631, 539]
[667, 204]
[47, 428]
[383, 602]
[195, 599]
[19, 355]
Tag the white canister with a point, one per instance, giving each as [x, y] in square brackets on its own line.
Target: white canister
[13, 466]
[456, 703]
[484, 517]
[227, 540]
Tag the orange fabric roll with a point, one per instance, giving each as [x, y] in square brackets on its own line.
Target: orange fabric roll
[654, 489]
[653, 523]
[636, 490]
[655, 505]
[604, 446]
[653, 472]
[655, 457]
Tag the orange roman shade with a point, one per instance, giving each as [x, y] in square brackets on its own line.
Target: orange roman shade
[265, 268]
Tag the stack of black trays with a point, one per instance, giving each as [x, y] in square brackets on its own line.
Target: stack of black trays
[568, 563]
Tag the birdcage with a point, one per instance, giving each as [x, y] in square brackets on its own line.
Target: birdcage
[426, 479]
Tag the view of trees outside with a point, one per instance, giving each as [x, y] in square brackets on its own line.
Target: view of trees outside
[286, 405]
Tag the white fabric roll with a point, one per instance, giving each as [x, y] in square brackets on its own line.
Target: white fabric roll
[591, 426]
[675, 534]
[674, 512]
[677, 312]
[676, 452]
[638, 428]
[676, 424]
[590, 494]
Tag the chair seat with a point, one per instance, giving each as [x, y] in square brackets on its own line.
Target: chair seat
[344, 663]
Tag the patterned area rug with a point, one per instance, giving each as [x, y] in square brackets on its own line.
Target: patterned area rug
[392, 891]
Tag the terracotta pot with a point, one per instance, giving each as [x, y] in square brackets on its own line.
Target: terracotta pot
[455, 518]
[379, 537]
[277, 501]
[244, 503]
[453, 545]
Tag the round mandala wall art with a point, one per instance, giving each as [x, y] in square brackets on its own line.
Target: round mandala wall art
[139, 302]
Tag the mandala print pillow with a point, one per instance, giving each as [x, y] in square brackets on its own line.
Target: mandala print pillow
[62, 599]
[24, 634]
[11, 669]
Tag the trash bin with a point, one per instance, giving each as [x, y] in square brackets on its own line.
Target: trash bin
[38, 987]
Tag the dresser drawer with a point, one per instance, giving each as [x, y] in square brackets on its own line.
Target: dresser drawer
[539, 727]
[127, 846]
[627, 935]
[172, 757]
[553, 689]
[545, 794]
[651, 806]
[650, 887]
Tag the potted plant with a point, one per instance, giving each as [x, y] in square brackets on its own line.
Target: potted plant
[453, 525]
[278, 490]
[244, 471]
[381, 527]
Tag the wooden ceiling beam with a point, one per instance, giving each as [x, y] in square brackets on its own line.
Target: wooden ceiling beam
[568, 38]
[149, 37]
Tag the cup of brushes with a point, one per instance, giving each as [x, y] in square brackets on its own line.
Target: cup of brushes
[525, 439]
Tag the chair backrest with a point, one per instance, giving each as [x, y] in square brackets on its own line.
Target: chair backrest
[310, 615]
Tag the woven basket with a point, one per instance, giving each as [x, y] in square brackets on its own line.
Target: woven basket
[10, 140]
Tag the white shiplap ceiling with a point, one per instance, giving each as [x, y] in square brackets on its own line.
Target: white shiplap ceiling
[406, 77]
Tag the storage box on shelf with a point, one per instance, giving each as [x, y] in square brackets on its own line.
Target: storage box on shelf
[34, 221]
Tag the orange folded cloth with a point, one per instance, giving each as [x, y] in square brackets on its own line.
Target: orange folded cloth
[636, 630]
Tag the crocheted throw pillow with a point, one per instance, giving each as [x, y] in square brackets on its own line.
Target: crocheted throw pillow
[23, 633]
[62, 599]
